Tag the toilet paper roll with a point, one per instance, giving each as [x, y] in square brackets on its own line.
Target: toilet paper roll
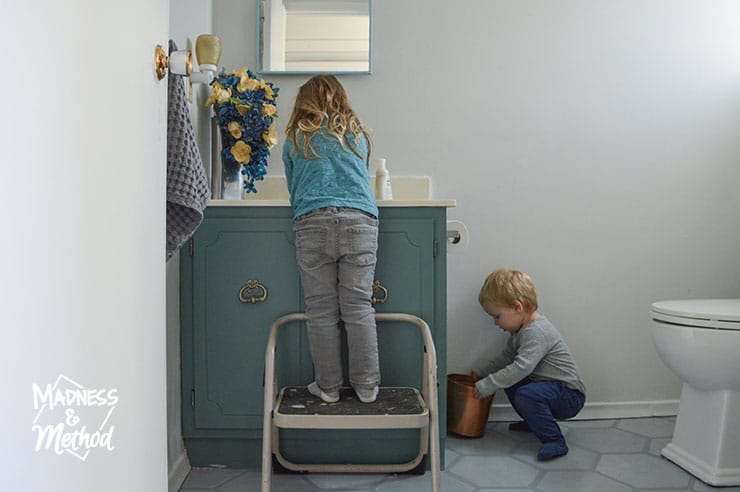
[457, 236]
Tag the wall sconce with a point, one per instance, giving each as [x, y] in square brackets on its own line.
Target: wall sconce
[208, 52]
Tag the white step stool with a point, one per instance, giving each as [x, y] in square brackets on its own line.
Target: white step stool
[395, 408]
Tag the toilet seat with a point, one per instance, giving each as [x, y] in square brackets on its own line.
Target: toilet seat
[723, 314]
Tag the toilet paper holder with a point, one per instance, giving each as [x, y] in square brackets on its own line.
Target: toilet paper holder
[457, 236]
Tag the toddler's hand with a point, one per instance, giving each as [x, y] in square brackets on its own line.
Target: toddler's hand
[474, 377]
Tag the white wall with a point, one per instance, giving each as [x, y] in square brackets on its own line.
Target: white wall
[82, 251]
[594, 145]
[188, 19]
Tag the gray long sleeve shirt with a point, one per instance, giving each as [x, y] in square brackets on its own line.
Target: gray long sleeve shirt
[537, 350]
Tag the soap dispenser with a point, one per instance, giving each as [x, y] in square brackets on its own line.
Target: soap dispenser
[383, 189]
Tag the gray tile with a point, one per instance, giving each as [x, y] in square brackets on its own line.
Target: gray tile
[657, 445]
[505, 461]
[450, 456]
[252, 480]
[491, 444]
[209, 478]
[606, 440]
[560, 481]
[502, 490]
[351, 481]
[700, 486]
[672, 490]
[576, 459]
[643, 471]
[423, 483]
[485, 471]
[647, 427]
[503, 430]
[588, 424]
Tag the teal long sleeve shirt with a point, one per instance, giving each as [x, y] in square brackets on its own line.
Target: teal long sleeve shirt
[337, 178]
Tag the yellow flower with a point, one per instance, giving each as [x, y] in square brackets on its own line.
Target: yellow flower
[241, 152]
[247, 84]
[218, 95]
[235, 129]
[270, 136]
[268, 110]
[241, 72]
[242, 108]
[214, 93]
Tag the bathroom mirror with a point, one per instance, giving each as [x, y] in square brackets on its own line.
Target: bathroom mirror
[312, 36]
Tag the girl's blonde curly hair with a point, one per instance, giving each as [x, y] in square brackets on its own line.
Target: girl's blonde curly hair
[321, 99]
[504, 286]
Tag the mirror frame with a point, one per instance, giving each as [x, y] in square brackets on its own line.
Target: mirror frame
[369, 70]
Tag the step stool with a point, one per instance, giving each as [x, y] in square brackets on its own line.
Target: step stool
[395, 408]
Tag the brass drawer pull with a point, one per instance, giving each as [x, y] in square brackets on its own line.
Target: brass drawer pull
[377, 286]
[252, 292]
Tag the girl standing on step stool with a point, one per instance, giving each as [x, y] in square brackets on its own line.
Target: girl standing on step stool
[326, 155]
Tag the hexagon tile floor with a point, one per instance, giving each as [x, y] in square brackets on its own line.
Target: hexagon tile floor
[605, 456]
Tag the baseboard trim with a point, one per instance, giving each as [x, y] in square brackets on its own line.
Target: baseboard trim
[179, 472]
[601, 410]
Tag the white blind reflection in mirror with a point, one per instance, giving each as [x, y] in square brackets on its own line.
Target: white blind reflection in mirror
[314, 35]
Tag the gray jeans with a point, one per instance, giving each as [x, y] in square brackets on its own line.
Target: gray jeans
[336, 252]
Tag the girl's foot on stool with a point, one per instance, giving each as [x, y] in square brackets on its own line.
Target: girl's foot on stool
[327, 396]
[521, 426]
[551, 450]
[367, 395]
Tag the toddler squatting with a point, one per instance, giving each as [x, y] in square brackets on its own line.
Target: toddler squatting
[536, 368]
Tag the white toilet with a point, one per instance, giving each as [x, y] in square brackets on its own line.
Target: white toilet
[699, 340]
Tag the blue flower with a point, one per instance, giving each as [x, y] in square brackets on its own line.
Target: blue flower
[242, 101]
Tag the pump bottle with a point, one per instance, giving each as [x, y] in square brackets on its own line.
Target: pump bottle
[383, 189]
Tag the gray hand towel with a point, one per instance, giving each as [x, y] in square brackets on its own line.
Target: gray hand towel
[187, 184]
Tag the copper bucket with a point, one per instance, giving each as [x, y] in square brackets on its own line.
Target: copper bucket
[466, 416]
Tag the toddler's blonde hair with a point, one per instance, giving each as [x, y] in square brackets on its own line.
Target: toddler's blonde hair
[323, 98]
[503, 286]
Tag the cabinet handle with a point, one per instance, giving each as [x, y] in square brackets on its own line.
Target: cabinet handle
[252, 292]
[377, 286]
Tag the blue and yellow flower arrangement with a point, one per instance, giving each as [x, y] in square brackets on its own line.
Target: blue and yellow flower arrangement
[245, 112]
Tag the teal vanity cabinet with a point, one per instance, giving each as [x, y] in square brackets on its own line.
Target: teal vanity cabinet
[238, 274]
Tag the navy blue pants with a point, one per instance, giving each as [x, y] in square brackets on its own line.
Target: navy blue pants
[540, 403]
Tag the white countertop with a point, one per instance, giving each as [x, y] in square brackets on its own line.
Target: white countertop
[286, 203]
[408, 191]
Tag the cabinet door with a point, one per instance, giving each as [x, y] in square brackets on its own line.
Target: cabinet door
[405, 271]
[230, 334]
